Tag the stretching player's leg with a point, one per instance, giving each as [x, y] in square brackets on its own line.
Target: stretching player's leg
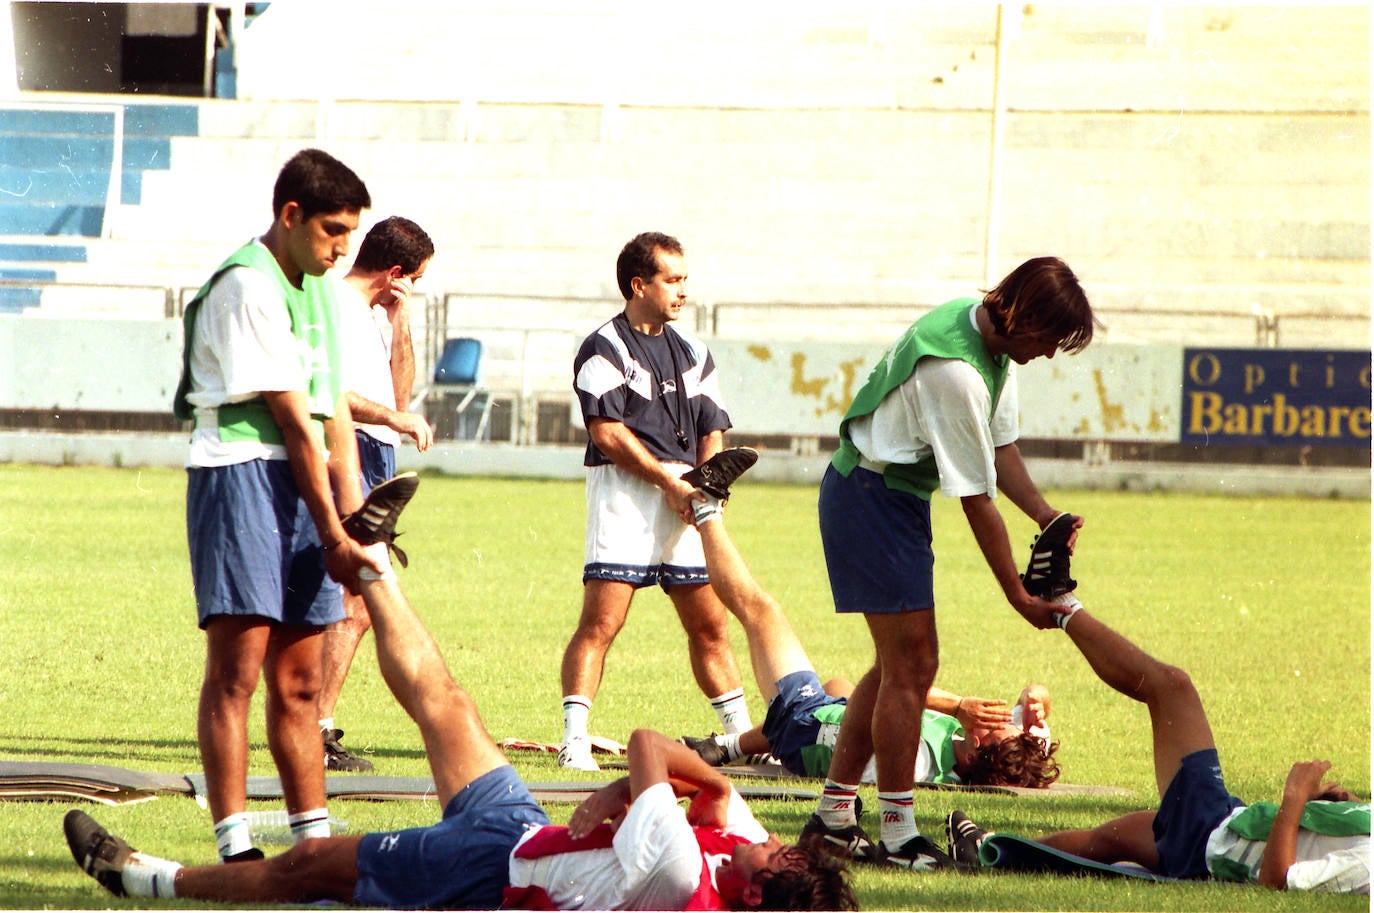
[774, 649]
[1177, 720]
[457, 743]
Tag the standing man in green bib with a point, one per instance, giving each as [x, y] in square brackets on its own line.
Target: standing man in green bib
[939, 411]
[272, 443]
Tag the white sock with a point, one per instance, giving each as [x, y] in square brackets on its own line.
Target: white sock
[314, 823]
[326, 724]
[898, 818]
[730, 742]
[837, 804]
[1070, 601]
[232, 835]
[705, 511]
[149, 876]
[733, 711]
[576, 709]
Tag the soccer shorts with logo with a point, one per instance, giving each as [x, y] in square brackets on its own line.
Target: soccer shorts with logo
[461, 863]
[791, 724]
[634, 536]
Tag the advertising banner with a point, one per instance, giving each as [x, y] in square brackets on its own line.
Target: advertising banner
[1276, 397]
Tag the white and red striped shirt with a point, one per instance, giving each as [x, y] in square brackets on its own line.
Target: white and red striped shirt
[655, 861]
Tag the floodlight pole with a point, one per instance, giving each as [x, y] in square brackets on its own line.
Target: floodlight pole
[993, 226]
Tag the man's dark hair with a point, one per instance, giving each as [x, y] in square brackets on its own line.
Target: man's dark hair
[639, 258]
[319, 183]
[811, 877]
[394, 241]
[1042, 297]
[1018, 760]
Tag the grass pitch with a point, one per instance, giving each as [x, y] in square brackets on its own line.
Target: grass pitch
[1265, 601]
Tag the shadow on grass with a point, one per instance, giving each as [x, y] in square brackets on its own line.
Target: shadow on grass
[111, 751]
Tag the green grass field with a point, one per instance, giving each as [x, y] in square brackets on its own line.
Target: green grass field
[1265, 601]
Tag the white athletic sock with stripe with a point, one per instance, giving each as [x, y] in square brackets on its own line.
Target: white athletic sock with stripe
[312, 823]
[1069, 601]
[730, 742]
[232, 835]
[576, 709]
[149, 876]
[708, 510]
[733, 711]
[837, 807]
[898, 818]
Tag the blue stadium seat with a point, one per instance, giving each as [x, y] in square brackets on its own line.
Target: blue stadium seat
[457, 373]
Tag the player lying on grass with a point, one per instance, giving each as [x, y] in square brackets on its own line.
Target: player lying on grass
[1316, 838]
[494, 843]
[974, 740]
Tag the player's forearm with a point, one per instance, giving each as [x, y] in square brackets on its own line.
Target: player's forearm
[365, 410]
[619, 443]
[402, 366]
[308, 463]
[1014, 481]
[991, 534]
[1281, 849]
[345, 472]
[942, 701]
[708, 445]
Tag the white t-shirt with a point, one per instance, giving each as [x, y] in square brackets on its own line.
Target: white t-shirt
[365, 347]
[654, 862]
[1322, 863]
[943, 408]
[242, 344]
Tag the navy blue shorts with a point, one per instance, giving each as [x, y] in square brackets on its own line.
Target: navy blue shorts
[877, 545]
[1193, 805]
[461, 863]
[254, 548]
[376, 461]
[791, 723]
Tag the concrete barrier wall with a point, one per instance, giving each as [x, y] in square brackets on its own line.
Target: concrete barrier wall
[1108, 393]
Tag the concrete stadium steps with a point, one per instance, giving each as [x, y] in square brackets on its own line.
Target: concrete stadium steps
[862, 216]
[55, 161]
[1180, 158]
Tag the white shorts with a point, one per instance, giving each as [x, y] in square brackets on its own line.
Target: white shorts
[634, 537]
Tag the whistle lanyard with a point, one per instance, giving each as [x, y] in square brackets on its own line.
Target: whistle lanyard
[673, 406]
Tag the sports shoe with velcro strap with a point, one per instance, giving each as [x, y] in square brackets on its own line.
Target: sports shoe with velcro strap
[376, 520]
[851, 841]
[717, 474]
[919, 854]
[1047, 573]
[100, 854]
[708, 749]
[336, 757]
[965, 838]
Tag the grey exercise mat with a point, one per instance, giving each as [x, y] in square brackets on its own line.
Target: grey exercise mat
[48, 780]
